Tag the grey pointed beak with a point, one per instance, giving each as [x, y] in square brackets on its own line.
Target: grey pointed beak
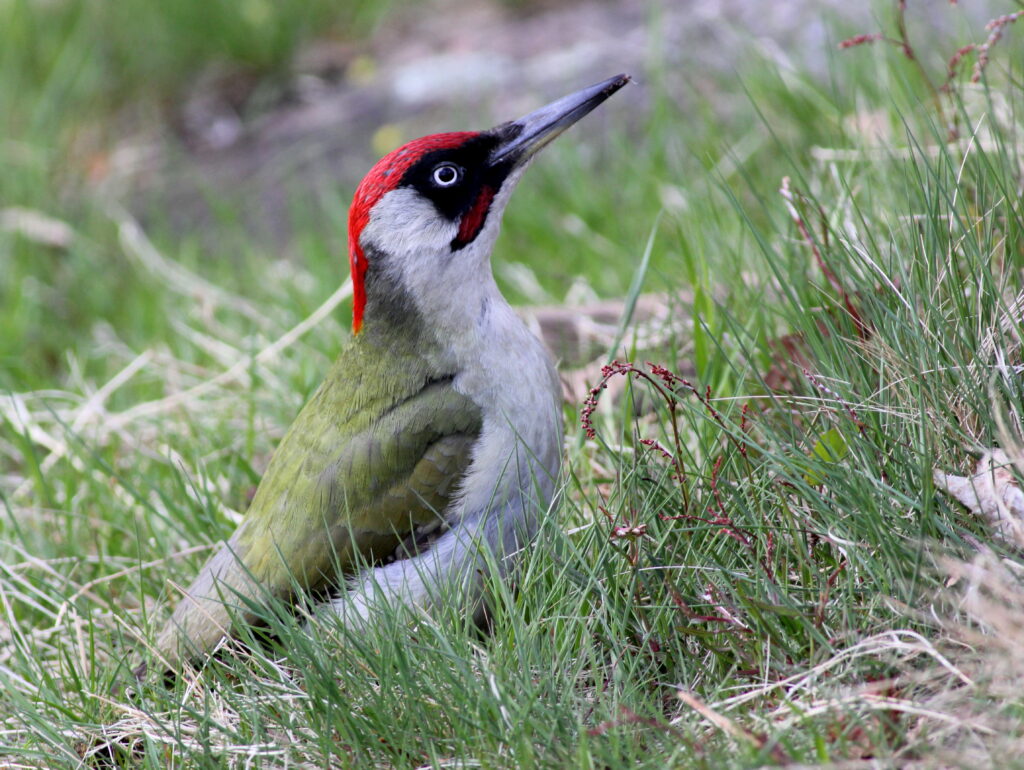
[531, 133]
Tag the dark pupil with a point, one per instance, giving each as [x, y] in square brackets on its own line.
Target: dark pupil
[445, 175]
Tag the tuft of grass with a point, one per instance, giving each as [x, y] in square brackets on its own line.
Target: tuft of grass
[750, 565]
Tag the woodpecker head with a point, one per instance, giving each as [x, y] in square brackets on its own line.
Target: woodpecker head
[434, 205]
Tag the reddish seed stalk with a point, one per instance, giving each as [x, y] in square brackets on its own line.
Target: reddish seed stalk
[790, 198]
[996, 28]
[861, 39]
[954, 64]
[619, 368]
[995, 32]
[817, 383]
[667, 384]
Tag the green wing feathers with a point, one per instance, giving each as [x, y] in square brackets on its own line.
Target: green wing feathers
[354, 475]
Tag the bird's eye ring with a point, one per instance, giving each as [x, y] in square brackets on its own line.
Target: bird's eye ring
[446, 174]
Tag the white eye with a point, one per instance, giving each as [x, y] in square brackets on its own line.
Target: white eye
[446, 174]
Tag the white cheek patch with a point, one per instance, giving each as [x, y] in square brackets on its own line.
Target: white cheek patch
[405, 225]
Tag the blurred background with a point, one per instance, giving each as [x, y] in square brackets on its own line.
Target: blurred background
[234, 132]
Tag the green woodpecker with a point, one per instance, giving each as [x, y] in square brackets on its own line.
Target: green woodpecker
[438, 431]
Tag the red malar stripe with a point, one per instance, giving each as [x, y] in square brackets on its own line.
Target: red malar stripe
[473, 220]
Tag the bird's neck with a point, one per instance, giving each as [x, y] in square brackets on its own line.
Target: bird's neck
[451, 317]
